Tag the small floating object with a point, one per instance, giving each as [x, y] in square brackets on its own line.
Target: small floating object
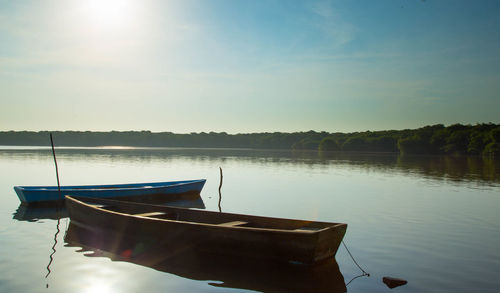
[393, 282]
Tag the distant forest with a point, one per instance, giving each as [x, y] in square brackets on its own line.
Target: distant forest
[457, 139]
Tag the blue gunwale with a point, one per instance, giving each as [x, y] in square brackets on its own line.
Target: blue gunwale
[117, 186]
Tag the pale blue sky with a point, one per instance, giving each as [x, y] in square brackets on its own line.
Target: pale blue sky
[248, 66]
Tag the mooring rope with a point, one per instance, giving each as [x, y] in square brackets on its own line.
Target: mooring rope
[362, 275]
[352, 257]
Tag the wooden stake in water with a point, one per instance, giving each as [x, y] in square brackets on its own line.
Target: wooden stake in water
[220, 186]
[55, 162]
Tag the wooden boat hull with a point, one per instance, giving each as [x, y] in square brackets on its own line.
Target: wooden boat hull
[288, 240]
[48, 194]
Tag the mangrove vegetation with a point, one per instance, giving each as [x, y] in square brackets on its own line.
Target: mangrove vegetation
[456, 139]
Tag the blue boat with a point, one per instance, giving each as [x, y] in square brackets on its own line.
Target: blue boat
[50, 194]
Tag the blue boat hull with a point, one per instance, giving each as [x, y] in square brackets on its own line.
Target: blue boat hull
[44, 194]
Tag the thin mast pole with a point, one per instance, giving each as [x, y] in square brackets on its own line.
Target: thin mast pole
[55, 162]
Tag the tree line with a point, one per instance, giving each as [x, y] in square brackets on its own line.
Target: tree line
[456, 139]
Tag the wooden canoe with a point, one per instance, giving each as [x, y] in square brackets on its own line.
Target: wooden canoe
[298, 241]
[48, 194]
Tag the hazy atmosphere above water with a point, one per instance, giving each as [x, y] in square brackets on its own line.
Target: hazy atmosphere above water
[247, 66]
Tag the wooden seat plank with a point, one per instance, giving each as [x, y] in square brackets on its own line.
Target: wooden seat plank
[150, 214]
[233, 223]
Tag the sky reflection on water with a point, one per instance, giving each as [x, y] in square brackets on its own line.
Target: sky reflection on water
[431, 220]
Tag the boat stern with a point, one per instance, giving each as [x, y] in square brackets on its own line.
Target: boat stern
[329, 242]
[20, 193]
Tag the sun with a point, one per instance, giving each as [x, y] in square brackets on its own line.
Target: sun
[107, 15]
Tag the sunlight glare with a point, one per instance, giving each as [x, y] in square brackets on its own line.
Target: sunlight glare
[98, 287]
[107, 15]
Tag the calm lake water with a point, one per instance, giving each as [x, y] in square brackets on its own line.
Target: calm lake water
[433, 221]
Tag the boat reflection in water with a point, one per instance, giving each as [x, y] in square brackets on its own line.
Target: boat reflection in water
[184, 260]
[56, 212]
[34, 214]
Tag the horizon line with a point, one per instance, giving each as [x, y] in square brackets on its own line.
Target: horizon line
[257, 132]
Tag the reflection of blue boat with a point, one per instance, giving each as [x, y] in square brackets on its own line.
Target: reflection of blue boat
[34, 213]
[43, 194]
[37, 213]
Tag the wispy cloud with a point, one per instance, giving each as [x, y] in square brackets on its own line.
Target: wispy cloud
[336, 31]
